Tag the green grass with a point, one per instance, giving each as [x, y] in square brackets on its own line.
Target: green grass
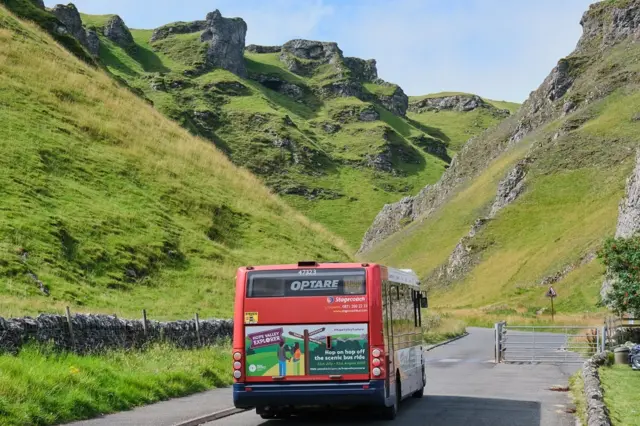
[41, 387]
[576, 386]
[379, 89]
[26, 9]
[444, 229]
[95, 21]
[440, 327]
[437, 95]
[457, 127]
[512, 107]
[184, 49]
[270, 64]
[570, 212]
[118, 208]
[620, 385]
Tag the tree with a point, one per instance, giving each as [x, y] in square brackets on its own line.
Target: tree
[622, 258]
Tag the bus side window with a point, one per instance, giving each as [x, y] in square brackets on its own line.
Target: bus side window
[417, 312]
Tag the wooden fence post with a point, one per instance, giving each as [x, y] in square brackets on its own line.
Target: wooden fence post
[198, 329]
[144, 322]
[70, 323]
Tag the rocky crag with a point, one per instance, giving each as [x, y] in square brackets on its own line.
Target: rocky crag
[460, 103]
[628, 214]
[603, 26]
[70, 18]
[464, 255]
[225, 37]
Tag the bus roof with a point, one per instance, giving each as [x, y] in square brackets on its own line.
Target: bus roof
[404, 276]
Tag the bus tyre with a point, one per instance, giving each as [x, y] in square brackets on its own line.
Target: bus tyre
[265, 414]
[390, 413]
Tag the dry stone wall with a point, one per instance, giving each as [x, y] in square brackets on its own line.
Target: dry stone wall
[95, 333]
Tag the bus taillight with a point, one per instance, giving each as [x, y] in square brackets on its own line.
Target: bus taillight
[237, 365]
[377, 355]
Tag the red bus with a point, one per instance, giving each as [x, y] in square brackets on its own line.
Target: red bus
[312, 335]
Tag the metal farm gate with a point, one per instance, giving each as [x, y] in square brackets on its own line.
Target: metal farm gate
[546, 344]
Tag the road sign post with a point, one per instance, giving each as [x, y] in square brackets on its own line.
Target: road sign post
[551, 294]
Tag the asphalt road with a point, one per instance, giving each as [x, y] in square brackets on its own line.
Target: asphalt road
[465, 387]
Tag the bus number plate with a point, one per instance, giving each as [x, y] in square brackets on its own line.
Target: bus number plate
[250, 317]
[307, 272]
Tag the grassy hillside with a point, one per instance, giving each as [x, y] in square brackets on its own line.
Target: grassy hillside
[456, 127]
[579, 164]
[311, 149]
[109, 206]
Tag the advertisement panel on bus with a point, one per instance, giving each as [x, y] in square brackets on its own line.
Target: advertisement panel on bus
[306, 350]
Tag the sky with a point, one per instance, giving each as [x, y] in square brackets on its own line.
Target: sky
[498, 49]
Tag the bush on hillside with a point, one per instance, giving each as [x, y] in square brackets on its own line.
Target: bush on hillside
[622, 258]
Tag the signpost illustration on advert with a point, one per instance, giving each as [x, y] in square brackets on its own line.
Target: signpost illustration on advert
[306, 350]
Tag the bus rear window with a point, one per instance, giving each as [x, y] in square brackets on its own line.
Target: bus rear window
[306, 282]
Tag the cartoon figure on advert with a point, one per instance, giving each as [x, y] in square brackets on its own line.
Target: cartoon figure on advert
[296, 359]
[283, 358]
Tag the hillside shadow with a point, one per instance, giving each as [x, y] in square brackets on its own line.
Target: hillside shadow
[307, 110]
[434, 411]
[262, 68]
[431, 131]
[112, 60]
[149, 60]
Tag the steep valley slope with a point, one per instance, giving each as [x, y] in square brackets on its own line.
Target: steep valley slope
[109, 206]
[320, 129]
[528, 203]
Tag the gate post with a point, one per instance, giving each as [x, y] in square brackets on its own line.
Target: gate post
[499, 332]
[496, 333]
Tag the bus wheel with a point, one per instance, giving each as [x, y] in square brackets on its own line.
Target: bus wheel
[265, 414]
[420, 392]
[390, 413]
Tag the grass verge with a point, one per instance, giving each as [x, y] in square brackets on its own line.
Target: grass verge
[576, 386]
[440, 327]
[40, 387]
[620, 385]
